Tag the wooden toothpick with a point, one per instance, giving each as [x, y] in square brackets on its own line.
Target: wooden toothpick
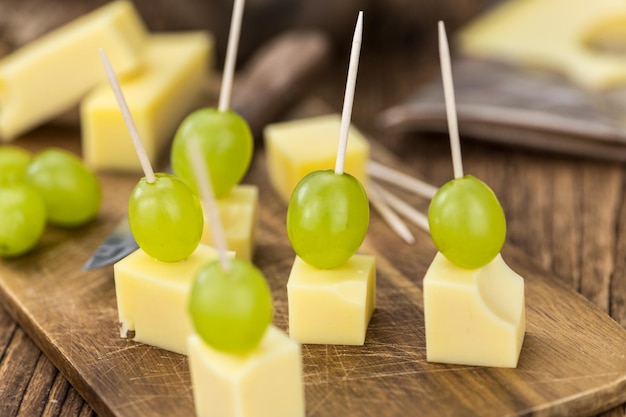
[128, 118]
[231, 55]
[448, 89]
[390, 175]
[402, 207]
[346, 113]
[389, 216]
[203, 180]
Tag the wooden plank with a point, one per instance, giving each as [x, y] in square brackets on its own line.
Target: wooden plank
[572, 362]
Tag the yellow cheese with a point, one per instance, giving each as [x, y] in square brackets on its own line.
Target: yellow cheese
[159, 97]
[332, 306]
[238, 212]
[474, 317]
[298, 147]
[52, 73]
[152, 297]
[266, 382]
[553, 34]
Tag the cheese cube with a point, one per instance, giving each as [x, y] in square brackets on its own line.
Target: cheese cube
[474, 317]
[266, 382]
[296, 148]
[159, 97]
[332, 306]
[238, 212]
[51, 74]
[152, 297]
[503, 33]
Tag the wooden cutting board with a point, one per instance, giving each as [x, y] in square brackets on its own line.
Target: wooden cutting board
[573, 361]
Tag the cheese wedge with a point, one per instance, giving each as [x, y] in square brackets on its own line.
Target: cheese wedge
[557, 35]
[296, 148]
[238, 212]
[474, 317]
[152, 297]
[332, 306]
[51, 74]
[266, 382]
[159, 97]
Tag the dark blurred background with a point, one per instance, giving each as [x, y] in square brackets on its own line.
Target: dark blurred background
[389, 23]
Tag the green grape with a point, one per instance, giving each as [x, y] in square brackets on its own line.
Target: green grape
[226, 143]
[13, 164]
[467, 222]
[230, 309]
[22, 219]
[71, 193]
[165, 218]
[327, 218]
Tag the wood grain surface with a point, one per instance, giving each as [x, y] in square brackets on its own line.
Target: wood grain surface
[572, 362]
[565, 214]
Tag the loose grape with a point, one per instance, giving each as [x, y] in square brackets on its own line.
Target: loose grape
[467, 222]
[226, 142]
[327, 218]
[22, 219]
[230, 309]
[165, 218]
[71, 192]
[13, 164]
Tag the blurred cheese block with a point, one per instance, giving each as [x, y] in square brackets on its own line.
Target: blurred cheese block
[296, 148]
[474, 317]
[238, 212]
[332, 306]
[266, 382]
[557, 35]
[152, 297]
[51, 74]
[169, 86]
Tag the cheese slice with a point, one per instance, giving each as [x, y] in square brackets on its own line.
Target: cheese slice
[474, 316]
[51, 74]
[557, 35]
[168, 87]
[266, 382]
[152, 297]
[238, 212]
[332, 306]
[296, 148]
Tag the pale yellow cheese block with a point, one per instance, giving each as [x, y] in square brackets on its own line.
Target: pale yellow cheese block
[51, 74]
[238, 212]
[266, 382]
[152, 297]
[296, 148]
[159, 97]
[474, 317]
[555, 35]
[332, 306]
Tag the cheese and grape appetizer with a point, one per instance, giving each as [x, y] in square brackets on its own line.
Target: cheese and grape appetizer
[152, 284]
[474, 304]
[224, 137]
[241, 365]
[331, 290]
[226, 144]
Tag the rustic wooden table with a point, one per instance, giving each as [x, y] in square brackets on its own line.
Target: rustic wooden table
[565, 213]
